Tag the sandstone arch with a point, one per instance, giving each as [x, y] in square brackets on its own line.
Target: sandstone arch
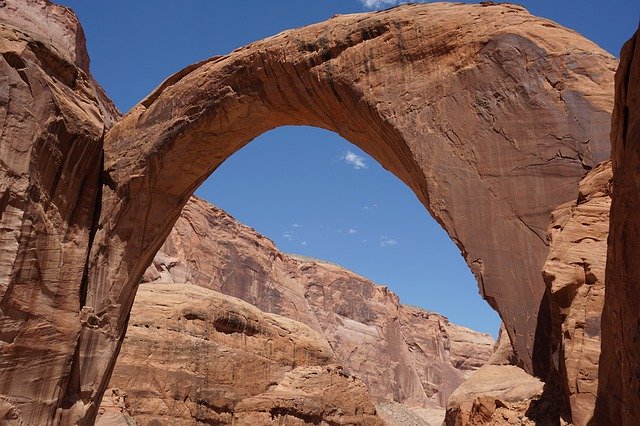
[490, 115]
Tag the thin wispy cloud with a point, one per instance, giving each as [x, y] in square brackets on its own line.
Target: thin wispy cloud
[293, 233]
[387, 242]
[352, 231]
[354, 160]
[371, 206]
[379, 4]
[304, 243]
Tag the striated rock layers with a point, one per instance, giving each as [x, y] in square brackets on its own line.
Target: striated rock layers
[575, 276]
[490, 115]
[53, 119]
[619, 386]
[403, 354]
[193, 355]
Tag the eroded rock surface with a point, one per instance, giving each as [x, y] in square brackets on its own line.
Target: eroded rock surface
[619, 384]
[53, 119]
[501, 393]
[490, 115]
[403, 354]
[195, 355]
[575, 275]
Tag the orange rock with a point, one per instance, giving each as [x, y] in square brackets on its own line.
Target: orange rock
[402, 354]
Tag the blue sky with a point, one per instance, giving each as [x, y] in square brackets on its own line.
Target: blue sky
[307, 189]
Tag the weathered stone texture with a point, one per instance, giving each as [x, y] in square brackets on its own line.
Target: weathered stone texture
[500, 393]
[575, 276]
[195, 355]
[619, 380]
[53, 117]
[403, 354]
[491, 116]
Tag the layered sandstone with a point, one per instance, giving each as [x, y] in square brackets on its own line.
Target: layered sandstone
[490, 115]
[502, 393]
[53, 119]
[403, 354]
[193, 355]
[575, 276]
[619, 380]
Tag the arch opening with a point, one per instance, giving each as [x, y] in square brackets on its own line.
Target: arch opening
[315, 194]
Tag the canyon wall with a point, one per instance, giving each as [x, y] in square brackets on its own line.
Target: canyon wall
[619, 386]
[53, 117]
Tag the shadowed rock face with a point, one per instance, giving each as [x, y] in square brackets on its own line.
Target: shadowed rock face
[575, 275]
[490, 115]
[619, 386]
[403, 354]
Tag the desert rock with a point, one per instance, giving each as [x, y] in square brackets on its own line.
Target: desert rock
[619, 381]
[536, 102]
[53, 119]
[195, 355]
[501, 393]
[403, 354]
[575, 275]
[534, 98]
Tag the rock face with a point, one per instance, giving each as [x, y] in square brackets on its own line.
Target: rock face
[575, 273]
[534, 99]
[53, 119]
[195, 355]
[403, 354]
[501, 393]
[619, 386]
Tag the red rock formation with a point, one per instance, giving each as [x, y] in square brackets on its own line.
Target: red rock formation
[489, 114]
[195, 355]
[403, 354]
[535, 97]
[575, 272]
[619, 386]
[53, 119]
[501, 393]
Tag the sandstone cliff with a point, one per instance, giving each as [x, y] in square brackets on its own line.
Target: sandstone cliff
[619, 385]
[575, 276]
[403, 354]
[193, 355]
[53, 117]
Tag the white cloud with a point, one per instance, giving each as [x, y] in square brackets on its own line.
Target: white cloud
[371, 207]
[296, 225]
[287, 236]
[378, 4]
[387, 242]
[304, 243]
[354, 160]
[353, 231]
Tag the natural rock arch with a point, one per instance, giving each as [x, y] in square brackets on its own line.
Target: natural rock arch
[491, 116]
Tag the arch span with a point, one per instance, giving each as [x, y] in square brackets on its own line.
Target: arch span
[490, 115]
